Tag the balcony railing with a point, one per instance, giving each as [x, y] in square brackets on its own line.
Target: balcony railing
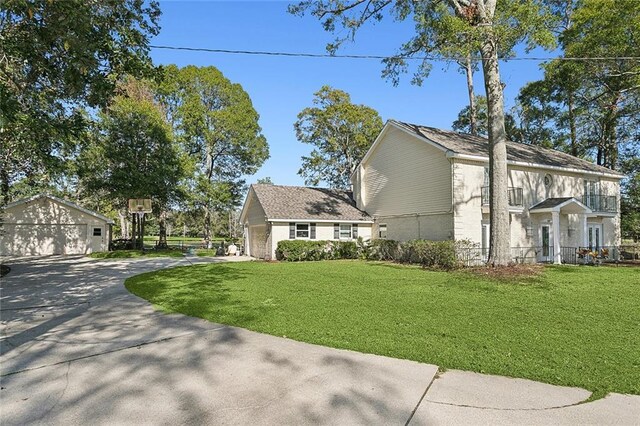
[601, 203]
[514, 194]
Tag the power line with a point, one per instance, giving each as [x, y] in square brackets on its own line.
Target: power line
[380, 57]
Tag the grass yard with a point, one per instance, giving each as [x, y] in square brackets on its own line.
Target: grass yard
[128, 254]
[574, 326]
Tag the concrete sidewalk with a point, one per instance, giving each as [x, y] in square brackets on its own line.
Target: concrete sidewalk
[78, 348]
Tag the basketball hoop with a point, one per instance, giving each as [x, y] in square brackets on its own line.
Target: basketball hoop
[140, 206]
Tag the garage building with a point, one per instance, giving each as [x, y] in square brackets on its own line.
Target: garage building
[272, 213]
[44, 225]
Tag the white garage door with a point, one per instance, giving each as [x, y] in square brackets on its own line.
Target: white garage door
[258, 239]
[25, 240]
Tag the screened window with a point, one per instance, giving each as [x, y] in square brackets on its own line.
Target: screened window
[97, 232]
[345, 231]
[382, 231]
[302, 230]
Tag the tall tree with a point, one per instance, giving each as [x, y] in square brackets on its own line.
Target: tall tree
[488, 28]
[57, 57]
[341, 132]
[133, 154]
[218, 127]
[465, 122]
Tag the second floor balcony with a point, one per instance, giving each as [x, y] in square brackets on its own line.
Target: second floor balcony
[601, 203]
[514, 194]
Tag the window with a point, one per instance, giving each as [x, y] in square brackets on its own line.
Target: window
[97, 232]
[302, 230]
[345, 231]
[382, 231]
[548, 180]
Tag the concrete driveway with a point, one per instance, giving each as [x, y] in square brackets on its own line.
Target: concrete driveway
[78, 348]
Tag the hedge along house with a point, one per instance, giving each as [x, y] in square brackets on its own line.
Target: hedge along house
[272, 213]
[45, 225]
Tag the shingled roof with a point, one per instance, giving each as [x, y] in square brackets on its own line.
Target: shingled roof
[300, 202]
[462, 143]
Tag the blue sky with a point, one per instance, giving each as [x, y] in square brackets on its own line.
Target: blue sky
[280, 87]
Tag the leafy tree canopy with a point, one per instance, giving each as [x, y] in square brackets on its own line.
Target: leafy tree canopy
[341, 132]
[55, 58]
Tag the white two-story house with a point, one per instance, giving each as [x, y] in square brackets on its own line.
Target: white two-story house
[426, 183]
[418, 182]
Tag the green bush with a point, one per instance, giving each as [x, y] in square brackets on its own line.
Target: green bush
[300, 250]
[344, 249]
[382, 250]
[429, 254]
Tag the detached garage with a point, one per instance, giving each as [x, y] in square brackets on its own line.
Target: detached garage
[44, 225]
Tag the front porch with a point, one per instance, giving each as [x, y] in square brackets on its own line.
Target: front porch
[563, 225]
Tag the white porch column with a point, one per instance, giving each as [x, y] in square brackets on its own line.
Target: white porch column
[555, 225]
[585, 231]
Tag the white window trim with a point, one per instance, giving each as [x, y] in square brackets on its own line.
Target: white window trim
[386, 230]
[340, 237]
[308, 237]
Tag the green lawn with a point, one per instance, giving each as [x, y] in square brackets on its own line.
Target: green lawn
[128, 254]
[572, 325]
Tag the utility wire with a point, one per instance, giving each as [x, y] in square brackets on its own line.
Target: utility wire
[379, 57]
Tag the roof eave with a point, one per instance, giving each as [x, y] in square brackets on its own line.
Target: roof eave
[452, 154]
[61, 201]
[337, 220]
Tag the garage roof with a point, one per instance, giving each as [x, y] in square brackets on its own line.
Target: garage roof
[300, 202]
[61, 201]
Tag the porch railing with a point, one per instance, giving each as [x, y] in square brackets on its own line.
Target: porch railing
[477, 256]
[514, 194]
[601, 203]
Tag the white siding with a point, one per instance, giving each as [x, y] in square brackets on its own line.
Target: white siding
[255, 214]
[468, 179]
[432, 227]
[44, 226]
[405, 175]
[324, 231]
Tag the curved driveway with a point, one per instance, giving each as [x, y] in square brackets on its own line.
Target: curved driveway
[77, 348]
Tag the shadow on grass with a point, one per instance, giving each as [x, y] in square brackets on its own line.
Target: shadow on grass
[201, 291]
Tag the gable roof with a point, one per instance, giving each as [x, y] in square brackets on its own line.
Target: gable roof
[60, 201]
[477, 148]
[555, 204]
[299, 202]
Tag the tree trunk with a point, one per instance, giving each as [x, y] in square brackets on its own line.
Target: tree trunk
[500, 234]
[4, 187]
[572, 126]
[473, 115]
[124, 231]
[142, 223]
[134, 230]
[162, 239]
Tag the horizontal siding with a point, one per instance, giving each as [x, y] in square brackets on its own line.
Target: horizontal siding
[437, 227]
[405, 175]
[324, 231]
[255, 213]
[468, 179]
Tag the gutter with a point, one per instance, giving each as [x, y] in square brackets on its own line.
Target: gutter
[451, 154]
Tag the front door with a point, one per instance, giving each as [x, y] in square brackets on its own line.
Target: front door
[594, 236]
[546, 237]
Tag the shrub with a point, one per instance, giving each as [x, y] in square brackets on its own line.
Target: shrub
[430, 254]
[299, 250]
[382, 250]
[344, 250]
